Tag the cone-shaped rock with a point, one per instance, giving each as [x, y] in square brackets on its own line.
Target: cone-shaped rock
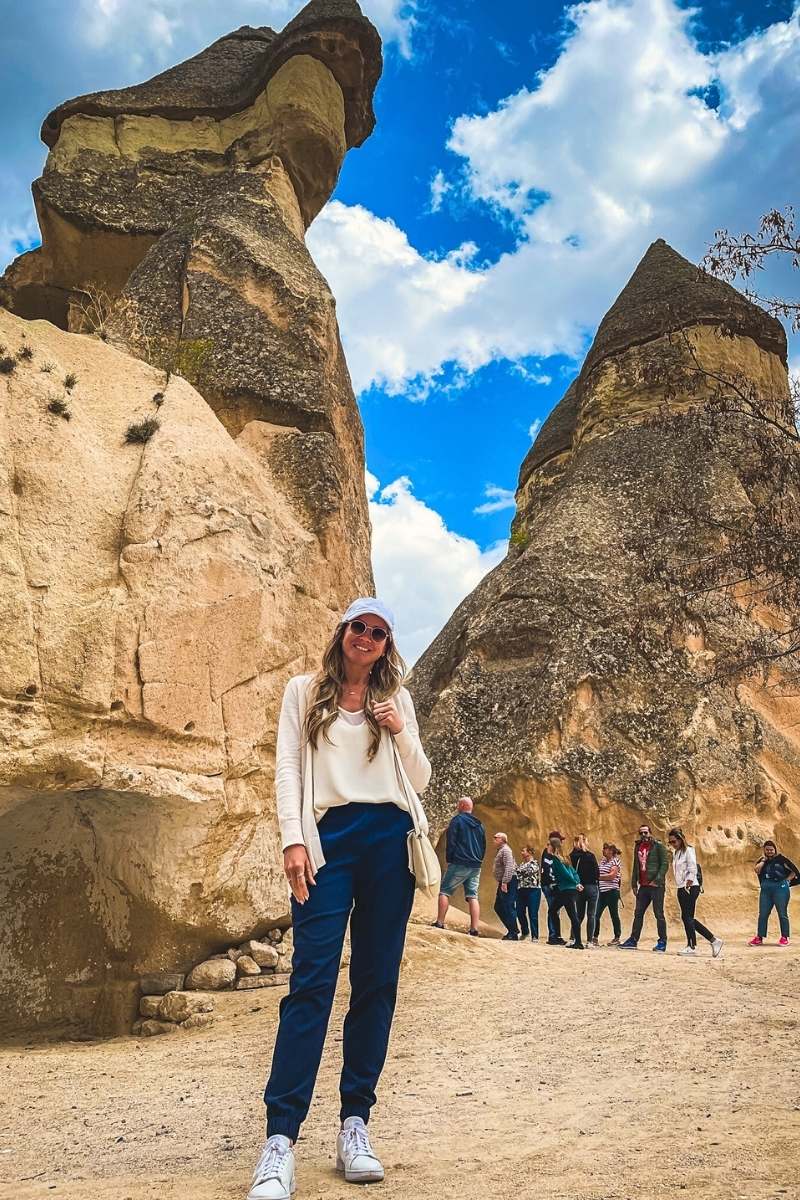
[574, 688]
[182, 508]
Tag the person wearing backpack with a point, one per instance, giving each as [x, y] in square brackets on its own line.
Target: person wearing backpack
[689, 880]
[567, 888]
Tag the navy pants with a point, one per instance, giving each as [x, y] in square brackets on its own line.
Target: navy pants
[505, 905]
[549, 893]
[365, 880]
[528, 900]
[773, 895]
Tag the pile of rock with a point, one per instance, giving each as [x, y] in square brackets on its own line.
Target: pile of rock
[176, 1010]
[253, 964]
[169, 1001]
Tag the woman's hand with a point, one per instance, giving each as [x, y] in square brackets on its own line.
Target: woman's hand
[387, 714]
[299, 872]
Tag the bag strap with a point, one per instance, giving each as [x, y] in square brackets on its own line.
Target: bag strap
[401, 779]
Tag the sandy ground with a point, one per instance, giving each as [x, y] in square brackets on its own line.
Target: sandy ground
[515, 1070]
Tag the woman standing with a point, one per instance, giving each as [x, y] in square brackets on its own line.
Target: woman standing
[684, 867]
[529, 894]
[585, 863]
[775, 872]
[565, 896]
[610, 872]
[349, 765]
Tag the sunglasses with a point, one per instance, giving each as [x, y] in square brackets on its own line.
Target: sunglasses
[377, 634]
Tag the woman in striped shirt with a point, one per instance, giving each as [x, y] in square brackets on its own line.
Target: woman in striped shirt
[610, 867]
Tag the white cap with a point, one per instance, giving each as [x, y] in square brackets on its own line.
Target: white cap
[369, 604]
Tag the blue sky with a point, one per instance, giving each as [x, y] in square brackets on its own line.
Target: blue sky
[526, 154]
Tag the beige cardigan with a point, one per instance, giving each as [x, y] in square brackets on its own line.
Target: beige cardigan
[293, 769]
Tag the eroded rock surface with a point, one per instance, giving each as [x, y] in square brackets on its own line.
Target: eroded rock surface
[572, 689]
[182, 508]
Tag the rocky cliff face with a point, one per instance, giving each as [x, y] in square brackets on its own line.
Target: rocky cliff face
[576, 687]
[182, 507]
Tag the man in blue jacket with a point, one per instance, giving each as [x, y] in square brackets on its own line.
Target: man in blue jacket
[466, 846]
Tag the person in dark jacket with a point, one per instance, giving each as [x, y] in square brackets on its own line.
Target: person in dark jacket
[585, 863]
[554, 937]
[464, 852]
[567, 889]
[776, 873]
[648, 881]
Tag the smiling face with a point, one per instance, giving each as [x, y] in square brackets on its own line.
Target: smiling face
[361, 648]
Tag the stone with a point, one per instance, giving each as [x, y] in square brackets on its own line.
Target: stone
[275, 936]
[179, 1006]
[212, 975]
[276, 979]
[575, 687]
[235, 953]
[156, 594]
[149, 1006]
[161, 982]
[245, 965]
[150, 1028]
[199, 1020]
[264, 954]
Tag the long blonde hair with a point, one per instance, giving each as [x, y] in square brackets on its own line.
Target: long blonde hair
[385, 679]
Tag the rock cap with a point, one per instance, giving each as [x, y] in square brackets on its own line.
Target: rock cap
[667, 292]
[229, 74]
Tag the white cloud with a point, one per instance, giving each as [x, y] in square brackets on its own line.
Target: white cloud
[395, 304]
[439, 189]
[534, 429]
[497, 500]
[17, 236]
[606, 151]
[422, 569]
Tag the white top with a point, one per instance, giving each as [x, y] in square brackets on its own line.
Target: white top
[684, 866]
[353, 718]
[297, 768]
[344, 774]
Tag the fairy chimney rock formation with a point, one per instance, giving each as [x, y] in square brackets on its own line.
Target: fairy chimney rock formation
[574, 688]
[182, 507]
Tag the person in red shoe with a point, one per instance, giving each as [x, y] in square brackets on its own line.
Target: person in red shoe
[776, 874]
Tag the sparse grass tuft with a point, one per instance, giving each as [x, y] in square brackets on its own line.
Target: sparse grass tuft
[70, 380]
[25, 353]
[47, 368]
[158, 399]
[7, 365]
[142, 431]
[59, 408]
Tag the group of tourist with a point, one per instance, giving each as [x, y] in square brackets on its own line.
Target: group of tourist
[584, 887]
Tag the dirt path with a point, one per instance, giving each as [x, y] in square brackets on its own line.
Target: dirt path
[516, 1070]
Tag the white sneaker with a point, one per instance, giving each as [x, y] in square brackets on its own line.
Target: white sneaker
[688, 952]
[354, 1154]
[716, 947]
[273, 1178]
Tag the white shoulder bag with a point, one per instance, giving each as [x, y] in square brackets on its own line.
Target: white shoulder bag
[422, 860]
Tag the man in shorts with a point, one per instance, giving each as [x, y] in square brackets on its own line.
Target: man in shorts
[466, 846]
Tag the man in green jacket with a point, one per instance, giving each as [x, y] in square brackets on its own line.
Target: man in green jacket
[648, 876]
